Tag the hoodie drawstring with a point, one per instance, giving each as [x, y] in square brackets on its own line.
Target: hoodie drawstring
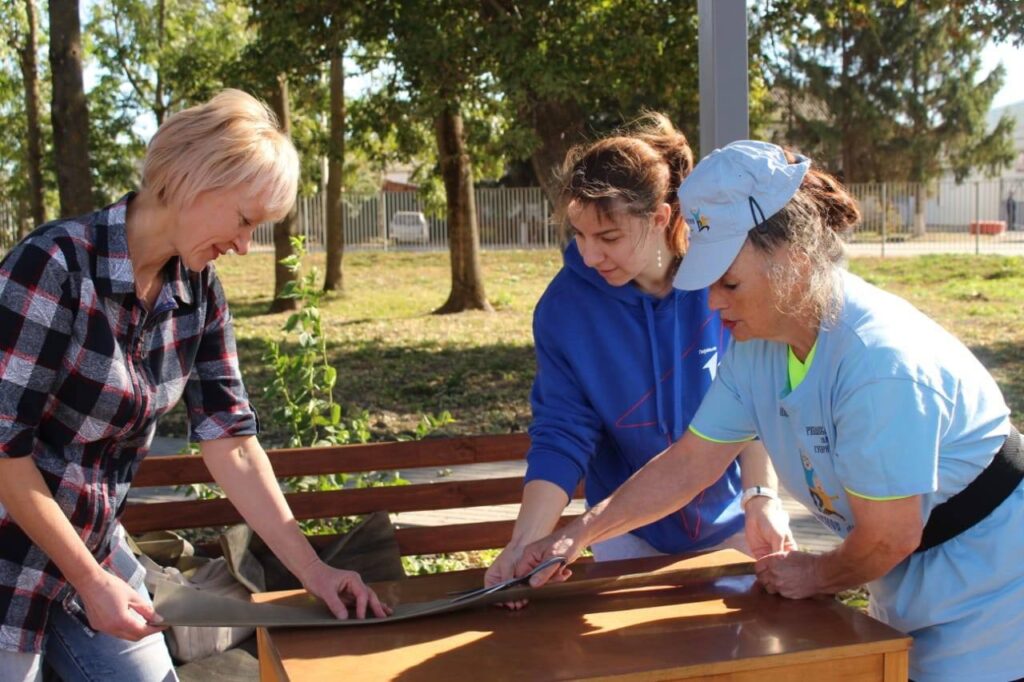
[677, 372]
[656, 362]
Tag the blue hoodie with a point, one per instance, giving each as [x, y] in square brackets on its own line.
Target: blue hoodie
[620, 373]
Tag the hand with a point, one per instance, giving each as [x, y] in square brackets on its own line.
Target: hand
[560, 543]
[791, 574]
[340, 590]
[113, 607]
[504, 568]
[767, 527]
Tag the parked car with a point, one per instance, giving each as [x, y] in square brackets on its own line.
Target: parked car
[409, 226]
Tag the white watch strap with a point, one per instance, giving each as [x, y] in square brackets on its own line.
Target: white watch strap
[757, 491]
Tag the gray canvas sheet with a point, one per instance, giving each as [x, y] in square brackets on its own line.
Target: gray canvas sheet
[179, 605]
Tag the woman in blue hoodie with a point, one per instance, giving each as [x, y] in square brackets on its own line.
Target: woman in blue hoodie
[623, 359]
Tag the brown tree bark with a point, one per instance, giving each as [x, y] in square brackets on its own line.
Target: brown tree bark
[333, 280]
[69, 111]
[33, 147]
[559, 125]
[285, 228]
[467, 291]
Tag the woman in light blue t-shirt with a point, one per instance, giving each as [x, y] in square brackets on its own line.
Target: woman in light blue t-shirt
[876, 418]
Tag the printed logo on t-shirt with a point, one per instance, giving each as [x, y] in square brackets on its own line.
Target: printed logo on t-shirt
[822, 500]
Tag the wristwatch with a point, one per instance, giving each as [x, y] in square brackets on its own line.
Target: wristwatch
[757, 491]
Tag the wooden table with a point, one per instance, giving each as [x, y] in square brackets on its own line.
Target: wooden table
[725, 628]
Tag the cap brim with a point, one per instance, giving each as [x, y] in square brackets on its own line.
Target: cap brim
[705, 262]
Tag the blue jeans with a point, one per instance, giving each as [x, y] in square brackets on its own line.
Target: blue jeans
[78, 657]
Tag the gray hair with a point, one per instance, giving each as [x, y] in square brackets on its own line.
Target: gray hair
[811, 225]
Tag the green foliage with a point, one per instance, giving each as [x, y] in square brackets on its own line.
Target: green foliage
[426, 564]
[169, 53]
[887, 90]
[14, 176]
[303, 381]
[153, 57]
[116, 148]
[603, 61]
[302, 390]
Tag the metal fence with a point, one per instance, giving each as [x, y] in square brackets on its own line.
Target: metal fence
[508, 218]
[898, 219]
[945, 217]
[972, 217]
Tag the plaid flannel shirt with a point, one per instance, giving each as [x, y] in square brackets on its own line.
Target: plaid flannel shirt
[85, 371]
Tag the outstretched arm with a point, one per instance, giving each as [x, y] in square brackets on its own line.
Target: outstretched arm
[542, 506]
[242, 469]
[664, 484]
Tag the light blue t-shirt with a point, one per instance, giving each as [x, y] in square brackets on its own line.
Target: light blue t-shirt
[893, 406]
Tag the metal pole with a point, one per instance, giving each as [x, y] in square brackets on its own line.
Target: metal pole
[885, 214]
[382, 217]
[722, 52]
[977, 217]
[547, 218]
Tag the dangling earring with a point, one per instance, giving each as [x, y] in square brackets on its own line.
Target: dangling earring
[659, 258]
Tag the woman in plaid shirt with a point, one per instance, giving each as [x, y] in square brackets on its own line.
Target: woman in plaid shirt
[109, 319]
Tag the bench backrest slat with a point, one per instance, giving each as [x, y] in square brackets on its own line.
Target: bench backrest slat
[457, 538]
[140, 518]
[439, 495]
[184, 469]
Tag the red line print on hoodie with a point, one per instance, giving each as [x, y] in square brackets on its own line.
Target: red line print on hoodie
[692, 527]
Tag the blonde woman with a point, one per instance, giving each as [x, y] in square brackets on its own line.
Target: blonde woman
[109, 319]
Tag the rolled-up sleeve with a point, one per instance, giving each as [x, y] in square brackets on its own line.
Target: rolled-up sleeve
[37, 309]
[218, 405]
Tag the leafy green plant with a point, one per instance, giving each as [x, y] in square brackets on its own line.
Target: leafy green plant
[425, 564]
[302, 382]
[429, 423]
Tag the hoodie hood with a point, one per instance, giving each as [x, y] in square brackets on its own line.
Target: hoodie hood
[632, 295]
[626, 293]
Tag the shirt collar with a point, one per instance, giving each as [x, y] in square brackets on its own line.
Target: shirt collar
[114, 272]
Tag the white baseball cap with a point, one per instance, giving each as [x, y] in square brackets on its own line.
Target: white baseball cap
[730, 192]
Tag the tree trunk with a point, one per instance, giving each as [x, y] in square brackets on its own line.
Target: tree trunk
[30, 76]
[285, 228]
[333, 280]
[159, 106]
[920, 222]
[69, 112]
[848, 145]
[559, 125]
[467, 291]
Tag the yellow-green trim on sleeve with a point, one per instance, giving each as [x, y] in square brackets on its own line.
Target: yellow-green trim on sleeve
[876, 499]
[716, 440]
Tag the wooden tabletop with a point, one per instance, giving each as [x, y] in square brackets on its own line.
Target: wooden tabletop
[723, 628]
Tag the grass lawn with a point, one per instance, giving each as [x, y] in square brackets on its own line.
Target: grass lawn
[397, 361]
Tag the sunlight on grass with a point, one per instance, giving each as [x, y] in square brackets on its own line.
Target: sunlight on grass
[396, 360]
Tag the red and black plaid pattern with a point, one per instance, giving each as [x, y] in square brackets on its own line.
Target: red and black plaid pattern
[85, 372]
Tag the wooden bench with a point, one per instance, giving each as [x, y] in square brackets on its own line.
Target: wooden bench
[440, 453]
